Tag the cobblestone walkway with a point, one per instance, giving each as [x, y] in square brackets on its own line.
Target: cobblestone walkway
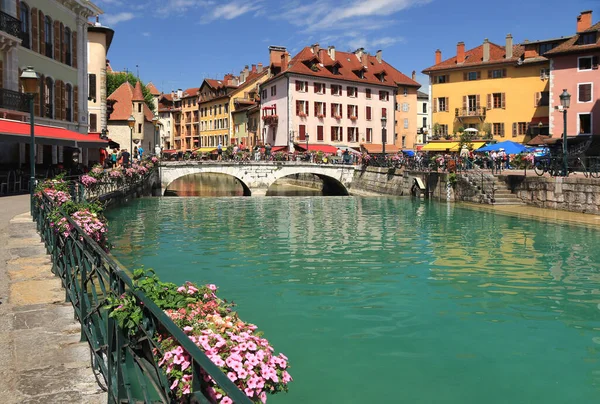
[41, 358]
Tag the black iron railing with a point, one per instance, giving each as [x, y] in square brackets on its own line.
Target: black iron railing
[125, 365]
[462, 112]
[13, 100]
[10, 24]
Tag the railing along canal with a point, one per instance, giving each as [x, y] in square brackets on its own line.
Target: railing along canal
[125, 365]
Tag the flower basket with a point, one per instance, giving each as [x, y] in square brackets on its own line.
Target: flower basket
[320, 116]
[353, 118]
[302, 115]
[338, 117]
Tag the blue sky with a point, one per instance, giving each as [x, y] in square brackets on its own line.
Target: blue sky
[177, 43]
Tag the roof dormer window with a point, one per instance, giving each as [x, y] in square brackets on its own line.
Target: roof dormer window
[360, 73]
[587, 39]
[381, 76]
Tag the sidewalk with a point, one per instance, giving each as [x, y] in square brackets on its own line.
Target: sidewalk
[41, 360]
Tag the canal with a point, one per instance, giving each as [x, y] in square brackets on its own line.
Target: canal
[389, 299]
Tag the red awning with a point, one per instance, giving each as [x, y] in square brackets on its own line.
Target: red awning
[16, 131]
[272, 107]
[278, 148]
[544, 120]
[325, 148]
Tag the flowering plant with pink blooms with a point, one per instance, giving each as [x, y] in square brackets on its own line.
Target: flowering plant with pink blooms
[233, 345]
[88, 181]
[154, 160]
[97, 172]
[88, 216]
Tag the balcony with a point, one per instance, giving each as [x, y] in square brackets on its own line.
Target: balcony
[470, 112]
[270, 119]
[10, 24]
[13, 100]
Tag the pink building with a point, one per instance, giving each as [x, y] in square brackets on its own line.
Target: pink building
[328, 99]
[574, 67]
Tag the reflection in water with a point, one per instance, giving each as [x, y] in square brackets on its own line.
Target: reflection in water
[440, 304]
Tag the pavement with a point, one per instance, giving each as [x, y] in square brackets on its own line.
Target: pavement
[41, 357]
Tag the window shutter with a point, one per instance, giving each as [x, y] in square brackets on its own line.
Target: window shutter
[514, 132]
[503, 100]
[503, 72]
[42, 21]
[332, 133]
[41, 95]
[464, 102]
[320, 133]
[298, 85]
[306, 109]
[489, 74]
[2, 73]
[489, 101]
[594, 62]
[74, 51]
[332, 109]
[298, 107]
[341, 136]
[477, 101]
[536, 99]
[34, 29]
[75, 104]
[302, 132]
[479, 75]
[368, 112]
[502, 129]
[324, 109]
[315, 108]
[384, 112]
[57, 40]
[349, 110]
[465, 76]
[315, 88]
[63, 100]
[57, 99]
[435, 104]
[63, 49]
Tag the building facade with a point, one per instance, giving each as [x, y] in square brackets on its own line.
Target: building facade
[406, 115]
[99, 41]
[503, 91]
[214, 111]
[325, 97]
[242, 97]
[166, 110]
[423, 118]
[574, 67]
[189, 122]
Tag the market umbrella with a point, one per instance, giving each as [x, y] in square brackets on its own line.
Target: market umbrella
[509, 147]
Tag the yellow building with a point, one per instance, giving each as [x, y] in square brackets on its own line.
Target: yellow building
[214, 110]
[188, 122]
[503, 91]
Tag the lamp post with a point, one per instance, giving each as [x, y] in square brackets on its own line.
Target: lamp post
[30, 83]
[155, 123]
[383, 133]
[565, 102]
[104, 134]
[131, 123]
[306, 136]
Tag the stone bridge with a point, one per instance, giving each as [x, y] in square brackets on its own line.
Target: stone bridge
[257, 177]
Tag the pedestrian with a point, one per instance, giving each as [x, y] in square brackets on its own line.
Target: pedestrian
[268, 151]
[346, 156]
[125, 158]
[113, 158]
[219, 152]
[339, 153]
[135, 153]
[157, 150]
[256, 153]
[140, 152]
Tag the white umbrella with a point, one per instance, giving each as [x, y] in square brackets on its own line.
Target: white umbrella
[471, 130]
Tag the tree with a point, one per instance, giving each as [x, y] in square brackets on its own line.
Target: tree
[114, 80]
[436, 131]
[487, 129]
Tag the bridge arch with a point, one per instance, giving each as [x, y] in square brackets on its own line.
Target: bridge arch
[331, 185]
[172, 178]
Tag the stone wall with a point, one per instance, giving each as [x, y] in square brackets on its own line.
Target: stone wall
[572, 194]
[147, 187]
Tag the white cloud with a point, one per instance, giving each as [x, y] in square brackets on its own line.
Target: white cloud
[232, 10]
[146, 34]
[114, 19]
[168, 7]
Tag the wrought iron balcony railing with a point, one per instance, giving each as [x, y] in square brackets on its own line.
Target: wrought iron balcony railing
[10, 24]
[465, 112]
[13, 100]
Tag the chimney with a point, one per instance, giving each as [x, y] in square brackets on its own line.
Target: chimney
[460, 52]
[275, 53]
[486, 50]
[254, 69]
[378, 56]
[260, 67]
[359, 52]
[179, 93]
[509, 46]
[584, 21]
[414, 75]
[438, 57]
[331, 51]
[315, 49]
[284, 60]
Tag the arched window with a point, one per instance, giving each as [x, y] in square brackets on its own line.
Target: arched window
[67, 45]
[48, 98]
[25, 16]
[48, 36]
[69, 102]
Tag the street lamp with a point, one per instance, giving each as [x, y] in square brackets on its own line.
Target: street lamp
[155, 123]
[306, 136]
[104, 134]
[383, 133]
[565, 102]
[29, 78]
[131, 123]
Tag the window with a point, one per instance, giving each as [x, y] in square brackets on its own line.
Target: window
[273, 91]
[496, 73]
[519, 129]
[68, 46]
[403, 142]
[472, 104]
[220, 109]
[352, 92]
[498, 100]
[69, 102]
[545, 47]
[587, 39]
[384, 112]
[441, 79]
[544, 73]
[92, 87]
[384, 96]
[139, 107]
[263, 94]
[368, 113]
[320, 133]
[381, 77]
[585, 124]
[471, 76]
[443, 130]
[360, 73]
[369, 135]
[353, 112]
[405, 91]
[424, 122]
[336, 89]
[336, 133]
[226, 108]
[48, 36]
[25, 26]
[368, 93]
[301, 86]
[584, 92]
[424, 107]
[48, 98]
[320, 109]
[587, 63]
[405, 123]
[544, 99]
[443, 104]
[405, 107]
[352, 134]
[302, 108]
[93, 123]
[319, 88]
[139, 128]
[336, 111]
[498, 129]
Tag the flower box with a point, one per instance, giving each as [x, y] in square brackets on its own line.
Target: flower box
[302, 115]
[320, 116]
[353, 118]
[337, 117]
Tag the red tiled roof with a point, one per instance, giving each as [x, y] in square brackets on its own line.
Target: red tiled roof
[20, 131]
[190, 92]
[152, 88]
[348, 63]
[123, 107]
[474, 57]
[138, 94]
[570, 45]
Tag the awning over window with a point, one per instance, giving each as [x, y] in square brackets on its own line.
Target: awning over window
[205, 149]
[325, 148]
[441, 146]
[475, 146]
[15, 131]
[544, 120]
[377, 148]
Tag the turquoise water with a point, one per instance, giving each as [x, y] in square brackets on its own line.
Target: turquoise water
[387, 299]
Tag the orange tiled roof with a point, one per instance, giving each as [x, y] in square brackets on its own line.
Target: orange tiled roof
[570, 45]
[138, 94]
[123, 107]
[348, 65]
[152, 88]
[190, 92]
[474, 57]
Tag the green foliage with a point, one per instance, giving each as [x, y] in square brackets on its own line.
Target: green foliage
[164, 294]
[114, 80]
[57, 183]
[436, 131]
[452, 179]
[487, 129]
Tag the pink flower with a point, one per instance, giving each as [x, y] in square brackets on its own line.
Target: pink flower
[263, 397]
[185, 365]
[249, 392]
[286, 377]
[232, 376]
[181, 289]
[212, 287]
[242, 374]
[226, 400]
[175, 383]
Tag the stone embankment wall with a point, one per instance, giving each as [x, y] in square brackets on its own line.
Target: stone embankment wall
[571, 194]
[149, 187]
